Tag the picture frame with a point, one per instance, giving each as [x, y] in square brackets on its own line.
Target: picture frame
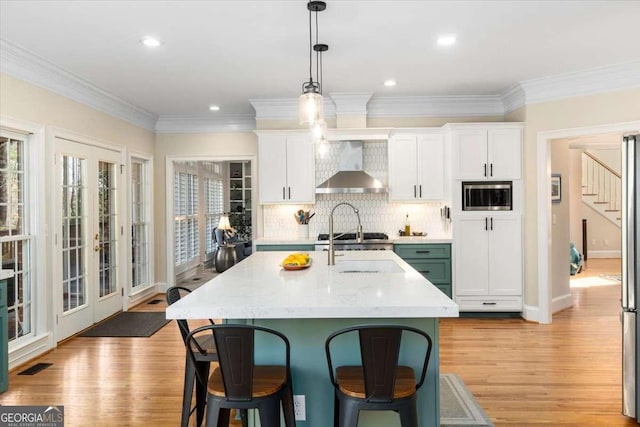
[556, 188]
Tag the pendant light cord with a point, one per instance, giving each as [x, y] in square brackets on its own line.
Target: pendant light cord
[310, 47]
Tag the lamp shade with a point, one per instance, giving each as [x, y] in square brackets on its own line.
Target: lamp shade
[310, 108]
[224, 223]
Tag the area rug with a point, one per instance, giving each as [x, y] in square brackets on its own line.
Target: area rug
[458, 407]
[129, 324]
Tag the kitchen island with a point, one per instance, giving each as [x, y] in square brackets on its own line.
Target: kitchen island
[364, 287]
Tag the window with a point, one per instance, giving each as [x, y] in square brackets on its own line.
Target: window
[15, 237]
[140, 224]
[185, 192]
[213, 209]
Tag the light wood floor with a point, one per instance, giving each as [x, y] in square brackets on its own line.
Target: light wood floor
[567, 373]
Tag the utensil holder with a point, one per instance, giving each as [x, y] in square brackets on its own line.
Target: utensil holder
[303, 231]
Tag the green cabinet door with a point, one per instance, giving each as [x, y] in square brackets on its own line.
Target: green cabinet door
[432, 260]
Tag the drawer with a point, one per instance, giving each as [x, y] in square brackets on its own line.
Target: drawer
[289, 248]
[489, 303]
[441, 250]
[436, 270]
[3, 293]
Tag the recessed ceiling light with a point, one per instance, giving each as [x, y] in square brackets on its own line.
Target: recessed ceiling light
[150, 42]
[214, 108]
[390, 83]
[446, 39]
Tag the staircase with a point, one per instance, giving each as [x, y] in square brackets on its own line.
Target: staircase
[601, 188]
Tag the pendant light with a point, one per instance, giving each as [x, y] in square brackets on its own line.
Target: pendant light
[310, 108]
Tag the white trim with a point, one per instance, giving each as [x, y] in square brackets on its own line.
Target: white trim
[351, 103]
[584, 82]
[544, 201]
[21, 64]
[205, 123]
[285, 108]
[513, 98]
[435, 106]
[30, 350]
[561, 302]
[605, 254]
[530, 313]
[144, 294]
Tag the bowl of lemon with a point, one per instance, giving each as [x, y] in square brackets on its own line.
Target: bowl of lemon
[296, 261]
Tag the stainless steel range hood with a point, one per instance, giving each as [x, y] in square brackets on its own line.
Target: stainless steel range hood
[350, 177]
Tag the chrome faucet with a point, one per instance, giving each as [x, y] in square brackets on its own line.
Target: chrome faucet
[360, 235]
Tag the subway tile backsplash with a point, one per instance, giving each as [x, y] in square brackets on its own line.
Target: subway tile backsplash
[376, 212]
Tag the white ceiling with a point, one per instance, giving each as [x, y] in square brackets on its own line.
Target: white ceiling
[227, 52]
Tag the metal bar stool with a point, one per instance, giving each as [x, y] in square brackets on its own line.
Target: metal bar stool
[237, 382]
[379, 383]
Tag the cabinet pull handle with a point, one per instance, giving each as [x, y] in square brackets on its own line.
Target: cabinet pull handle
[283, 195]
[485, 169]
[420, 190]
[485, 224]
[414, 192]
[489, 303]
[491, 169]
[423, 252]
[289, 193]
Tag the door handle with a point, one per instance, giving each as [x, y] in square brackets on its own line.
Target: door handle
[423, 252]
[414, 192]
[491, 223]
[489, 303]
[283, 194]
[491, 169]
[289, 193]
[485, 224]
[485, 169]
[420, 190]
[96, 248]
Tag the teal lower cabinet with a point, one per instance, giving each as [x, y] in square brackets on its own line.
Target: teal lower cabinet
[4, 338]
[433, 260]
[286, 248]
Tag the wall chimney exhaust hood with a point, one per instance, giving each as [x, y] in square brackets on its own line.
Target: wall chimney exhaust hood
[350, 177]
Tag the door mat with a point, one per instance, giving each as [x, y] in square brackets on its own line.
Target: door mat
[458, 407]
[129, 324]
[32, 370]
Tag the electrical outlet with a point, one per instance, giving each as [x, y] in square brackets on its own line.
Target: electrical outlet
[299, 407]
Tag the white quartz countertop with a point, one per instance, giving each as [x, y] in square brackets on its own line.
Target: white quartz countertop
[403, 240]
[258, 288]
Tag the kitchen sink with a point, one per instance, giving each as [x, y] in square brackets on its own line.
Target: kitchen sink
[368, 266]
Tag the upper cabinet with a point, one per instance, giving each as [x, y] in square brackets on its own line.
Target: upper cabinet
[286, 168]
[416, 167]
[486, 152]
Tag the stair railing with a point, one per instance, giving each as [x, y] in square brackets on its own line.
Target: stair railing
[601, 181]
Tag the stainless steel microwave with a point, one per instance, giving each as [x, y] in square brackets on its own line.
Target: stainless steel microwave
[487, 196]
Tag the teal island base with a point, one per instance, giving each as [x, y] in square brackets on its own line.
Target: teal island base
[311, 376]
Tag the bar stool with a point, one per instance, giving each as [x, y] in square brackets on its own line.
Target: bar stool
[202, 363]
[379, 383]
[237, 382]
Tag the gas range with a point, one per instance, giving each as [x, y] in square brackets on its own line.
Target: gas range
[349, 242]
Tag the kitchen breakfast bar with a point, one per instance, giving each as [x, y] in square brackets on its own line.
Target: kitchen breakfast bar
[307, 305]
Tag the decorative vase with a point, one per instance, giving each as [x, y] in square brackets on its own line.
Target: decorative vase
[225, 257]
[303, 231]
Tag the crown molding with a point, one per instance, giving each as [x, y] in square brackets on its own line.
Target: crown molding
[436, 106]
[580, 83]
[351, 103]
[285, 108]
[23, 65]
[203, 123]
[513, 98]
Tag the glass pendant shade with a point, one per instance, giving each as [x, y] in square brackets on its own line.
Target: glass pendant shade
[310, 108]
[319, 130]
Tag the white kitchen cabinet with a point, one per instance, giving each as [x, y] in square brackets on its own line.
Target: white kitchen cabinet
[286, 168]
[487, 153]
[416, 168]
[488, 262]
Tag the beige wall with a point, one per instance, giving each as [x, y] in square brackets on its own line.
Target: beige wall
[560, 222]
[22, 100]
[197, 146]
[593, 110]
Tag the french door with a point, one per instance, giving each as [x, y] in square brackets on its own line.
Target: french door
[88, 235]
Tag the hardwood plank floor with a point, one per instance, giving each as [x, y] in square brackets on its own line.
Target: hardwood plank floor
[567, 373]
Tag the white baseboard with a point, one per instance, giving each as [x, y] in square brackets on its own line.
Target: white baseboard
[531, 313]
[604, 254]
[30, 350]
[561, 302]
[146, 294]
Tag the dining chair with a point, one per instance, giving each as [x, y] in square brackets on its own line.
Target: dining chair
[238, 382]
[378, 383]
[207, 353]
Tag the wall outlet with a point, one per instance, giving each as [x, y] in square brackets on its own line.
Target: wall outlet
[299, 407]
